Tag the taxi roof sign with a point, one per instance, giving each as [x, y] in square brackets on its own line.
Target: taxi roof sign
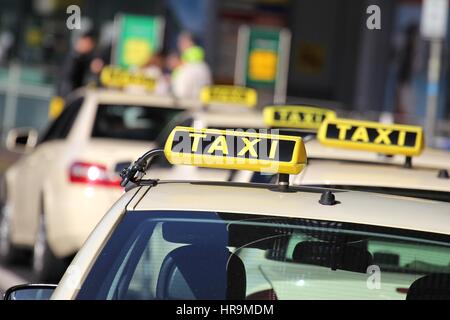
[236, 150]
[372, 136]
[118, 78]
[296, 116]
[229, 95]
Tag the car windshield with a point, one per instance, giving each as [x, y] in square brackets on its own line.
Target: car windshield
[213, 255]
[131, 122]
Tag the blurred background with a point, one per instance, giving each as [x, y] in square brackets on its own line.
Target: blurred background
[381, 60]
[334, 59]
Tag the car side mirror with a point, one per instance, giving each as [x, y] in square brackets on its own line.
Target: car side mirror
[21, 139]
[30, 292]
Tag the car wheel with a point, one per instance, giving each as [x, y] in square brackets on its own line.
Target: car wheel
[47, 267]
[9, 254]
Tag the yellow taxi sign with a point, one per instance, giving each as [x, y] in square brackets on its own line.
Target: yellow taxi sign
[119, 78]
[231, 95]
[236, 150]
[296, 116]
[372, 136]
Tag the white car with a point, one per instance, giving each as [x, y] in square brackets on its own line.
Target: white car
[350, 161]
[53, 197]
[220, 240]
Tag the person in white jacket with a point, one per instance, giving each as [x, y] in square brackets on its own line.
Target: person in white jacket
[193, 73]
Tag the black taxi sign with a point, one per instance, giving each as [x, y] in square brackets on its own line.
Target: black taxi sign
[229, 95]
[296, 116]
[238, 150]
[372, 136]
[119, 78]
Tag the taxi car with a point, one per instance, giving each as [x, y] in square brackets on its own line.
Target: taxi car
[421, 176]
[55, 194]
[71, 177]
[224, 240]
[363, 155]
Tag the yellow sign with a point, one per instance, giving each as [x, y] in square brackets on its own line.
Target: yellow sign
[238, 150]
[262, 65]
[372, 136]
[232, 95]
[299, 117]
[136, 52]
[55, 107]
[119, 78]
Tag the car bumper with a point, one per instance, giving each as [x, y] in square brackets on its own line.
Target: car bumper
[75, 214]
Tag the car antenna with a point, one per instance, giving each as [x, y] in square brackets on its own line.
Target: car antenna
[136, 170]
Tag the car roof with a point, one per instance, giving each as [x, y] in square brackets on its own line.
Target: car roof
[353, 173]
[226, 118]
[431, 158]
[114, 96]
[353, 207]
[344, 167]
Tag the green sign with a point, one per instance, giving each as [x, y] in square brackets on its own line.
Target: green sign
[138, 38]
[262, 60]
[262, 57]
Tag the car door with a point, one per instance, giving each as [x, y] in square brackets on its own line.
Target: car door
[34, 168]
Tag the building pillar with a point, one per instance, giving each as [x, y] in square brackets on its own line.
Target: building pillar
[373, 59]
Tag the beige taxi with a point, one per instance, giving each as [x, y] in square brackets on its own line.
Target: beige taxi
[243, 241]
[347, 153]
[52, 198]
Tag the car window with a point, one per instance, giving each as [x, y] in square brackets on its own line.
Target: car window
[178, 255]
[61, 126]
[131, 122]
[183, 119]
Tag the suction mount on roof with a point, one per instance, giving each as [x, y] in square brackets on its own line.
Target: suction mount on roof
[283, 182]
[443, 174]
[408, 162]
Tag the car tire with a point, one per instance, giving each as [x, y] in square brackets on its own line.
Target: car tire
[9, 253]
[47, 268]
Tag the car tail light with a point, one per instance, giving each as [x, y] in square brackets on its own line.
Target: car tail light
[93, 174]
[402, 290]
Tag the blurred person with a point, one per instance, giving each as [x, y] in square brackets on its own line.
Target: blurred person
[191, 73]
[77, 66]
[172, 64]
[96, 65]
[154, 68]
[100, 59]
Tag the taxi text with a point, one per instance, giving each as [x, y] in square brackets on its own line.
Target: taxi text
[229, 146]
[348, 132]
